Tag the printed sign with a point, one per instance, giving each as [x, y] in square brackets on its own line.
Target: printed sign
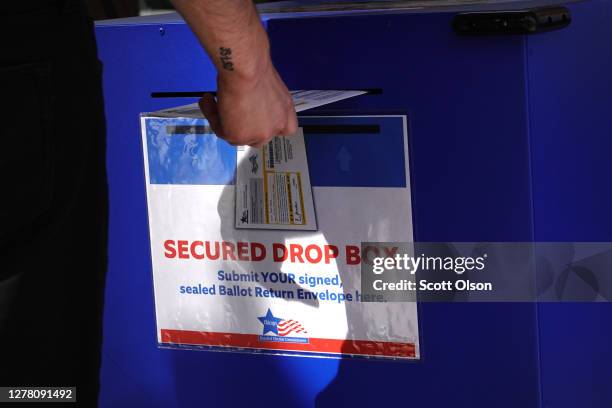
[277, 291]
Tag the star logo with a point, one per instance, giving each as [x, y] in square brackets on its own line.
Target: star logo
[270, 323]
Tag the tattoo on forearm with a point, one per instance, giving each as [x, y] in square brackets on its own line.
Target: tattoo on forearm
[226, 58]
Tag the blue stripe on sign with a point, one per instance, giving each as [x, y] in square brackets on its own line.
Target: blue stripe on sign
[360, 159]
[335, 159]
[177, 155]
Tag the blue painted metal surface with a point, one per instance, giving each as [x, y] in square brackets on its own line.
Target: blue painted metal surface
[507, 143]
[570, 103]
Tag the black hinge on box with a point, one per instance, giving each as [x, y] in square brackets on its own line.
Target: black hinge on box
[529, 21]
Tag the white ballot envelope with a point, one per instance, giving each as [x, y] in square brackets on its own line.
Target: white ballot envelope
[273, 186]
[272, 183]
[302, 100]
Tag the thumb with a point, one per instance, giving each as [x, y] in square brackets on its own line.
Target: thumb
[208, 106]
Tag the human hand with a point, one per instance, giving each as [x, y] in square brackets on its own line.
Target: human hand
[250, 111]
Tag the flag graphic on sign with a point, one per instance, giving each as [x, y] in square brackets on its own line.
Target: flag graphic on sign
[280, 327]
[286, 327]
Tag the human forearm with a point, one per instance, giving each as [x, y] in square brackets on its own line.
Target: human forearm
[231, 33]
[252, 103]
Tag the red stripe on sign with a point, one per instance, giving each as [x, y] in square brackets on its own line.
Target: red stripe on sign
[334, 346]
